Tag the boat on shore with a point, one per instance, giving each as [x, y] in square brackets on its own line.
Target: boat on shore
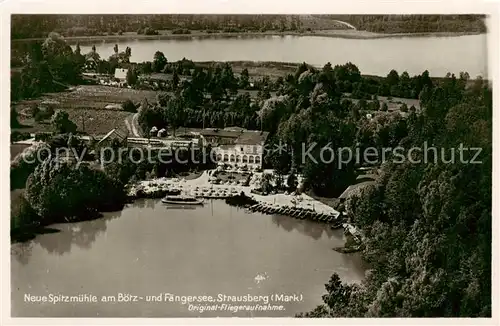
[181, 200]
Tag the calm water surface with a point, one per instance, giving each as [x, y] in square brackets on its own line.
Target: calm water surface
[439, 55]
[149, 249]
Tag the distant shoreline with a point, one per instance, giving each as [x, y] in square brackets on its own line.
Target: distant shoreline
[349, 34]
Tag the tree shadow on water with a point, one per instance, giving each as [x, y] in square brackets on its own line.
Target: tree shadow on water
[312, 229]
[59, 238]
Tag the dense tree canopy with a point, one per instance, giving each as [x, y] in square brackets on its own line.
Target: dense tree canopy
[59, 190]
[47, 67]
[427, 226]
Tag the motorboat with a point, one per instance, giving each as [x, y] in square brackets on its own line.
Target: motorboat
[182, 200]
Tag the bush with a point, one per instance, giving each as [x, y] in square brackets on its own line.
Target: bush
[181, 31]
[43, 113]
[25, 163]
[62, 124]
[43, 136]
[147, 31]
[21, 212]
[33, 110]
[17, 136]
[129, 106]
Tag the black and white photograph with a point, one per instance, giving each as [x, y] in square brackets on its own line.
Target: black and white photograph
[201, 165]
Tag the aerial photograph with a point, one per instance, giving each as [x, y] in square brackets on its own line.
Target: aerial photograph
[304, 166]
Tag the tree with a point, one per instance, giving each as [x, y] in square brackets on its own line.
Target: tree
[159, 61]
[59, 191]
[392, 78]
[25, 163]
[131, 77]
[162, 99]
[175, 80]
[291, 181]
[244, 79]
[14, 122]
[129, 106]
[266, 183]
[78, 51]
[174, 113]
[63, 64]
[55, 46]
[278, 180]
[300, 70]
[61, 123]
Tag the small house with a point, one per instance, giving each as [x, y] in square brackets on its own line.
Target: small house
[121, 74]
[114, 136]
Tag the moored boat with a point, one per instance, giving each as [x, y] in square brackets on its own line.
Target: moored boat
[182, 200]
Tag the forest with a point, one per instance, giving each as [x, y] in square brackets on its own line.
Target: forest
[27, 26]
[415, 23]
[427, 226]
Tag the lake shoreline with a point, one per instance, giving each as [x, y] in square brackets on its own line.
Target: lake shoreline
[348, 34]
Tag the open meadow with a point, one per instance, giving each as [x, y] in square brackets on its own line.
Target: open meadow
[95, 109]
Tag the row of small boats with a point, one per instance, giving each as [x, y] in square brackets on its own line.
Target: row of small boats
[295, 212]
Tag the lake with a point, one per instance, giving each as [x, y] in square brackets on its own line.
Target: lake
[438, 55]
[149, 249]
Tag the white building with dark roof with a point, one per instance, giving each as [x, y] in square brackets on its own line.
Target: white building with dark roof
[236, 146]
[121, 74]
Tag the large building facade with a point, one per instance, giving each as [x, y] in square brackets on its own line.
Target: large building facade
[236, 147]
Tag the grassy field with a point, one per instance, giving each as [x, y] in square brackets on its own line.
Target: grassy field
[393, 104]
[96, 107]
[258, 69]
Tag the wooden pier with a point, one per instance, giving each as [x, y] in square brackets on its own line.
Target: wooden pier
[299, 213]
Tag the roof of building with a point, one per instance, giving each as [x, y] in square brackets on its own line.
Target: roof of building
[252, 137]
[353, 188]
[114, 134]
[121, 73]
[235, 128]
[211, 132]
[241, 136]
[163, 77]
